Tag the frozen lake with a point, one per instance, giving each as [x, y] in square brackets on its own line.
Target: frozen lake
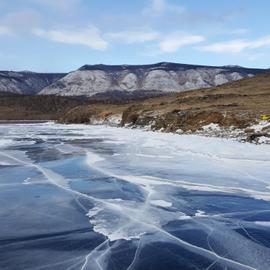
[93, 197]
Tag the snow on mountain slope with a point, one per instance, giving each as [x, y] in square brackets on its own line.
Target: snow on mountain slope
[28, 83]
[167, 77]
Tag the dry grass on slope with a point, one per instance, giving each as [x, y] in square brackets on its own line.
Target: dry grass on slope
[235, 104]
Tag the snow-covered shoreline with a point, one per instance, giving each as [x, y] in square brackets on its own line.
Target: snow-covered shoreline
[260, 130]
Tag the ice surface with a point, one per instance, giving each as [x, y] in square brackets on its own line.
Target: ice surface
[161, 203]
[96, 197]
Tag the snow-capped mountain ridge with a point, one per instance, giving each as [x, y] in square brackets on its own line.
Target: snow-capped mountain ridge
[90, 80]
[166, 77]
[26, 82]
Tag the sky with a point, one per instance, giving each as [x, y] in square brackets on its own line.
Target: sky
[62, 35]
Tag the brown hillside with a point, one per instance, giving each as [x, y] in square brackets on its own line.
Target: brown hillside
[18, 107]
[235, 104]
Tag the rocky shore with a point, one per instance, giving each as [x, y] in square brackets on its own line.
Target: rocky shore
[237, 110]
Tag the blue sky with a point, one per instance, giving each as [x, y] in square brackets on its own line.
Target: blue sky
[62, 35]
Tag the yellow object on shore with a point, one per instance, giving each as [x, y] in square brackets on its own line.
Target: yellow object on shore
[265, 117]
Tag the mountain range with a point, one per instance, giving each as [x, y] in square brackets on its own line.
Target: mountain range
[25, 82]
[123, 80]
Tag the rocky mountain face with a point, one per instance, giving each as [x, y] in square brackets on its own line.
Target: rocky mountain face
[91, 80]
[122, 82]
[27, 83]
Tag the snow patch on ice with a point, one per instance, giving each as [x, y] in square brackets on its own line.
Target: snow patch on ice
[184, 217]
[27, 181]
[263, 223]
[6, 142]
[161, 203]
[153, 156]
[93, 158]
[200, 213]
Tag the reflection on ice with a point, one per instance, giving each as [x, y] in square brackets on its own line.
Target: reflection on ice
[95, 197]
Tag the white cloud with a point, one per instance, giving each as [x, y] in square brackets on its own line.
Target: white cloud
[236, 46]
[89, 37]
[159, 7]
[131, 37]
[5, 31]
[20, 21]
[164, 43]
[174, 42]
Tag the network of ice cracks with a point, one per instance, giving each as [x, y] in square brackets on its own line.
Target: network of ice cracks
[157, 166]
